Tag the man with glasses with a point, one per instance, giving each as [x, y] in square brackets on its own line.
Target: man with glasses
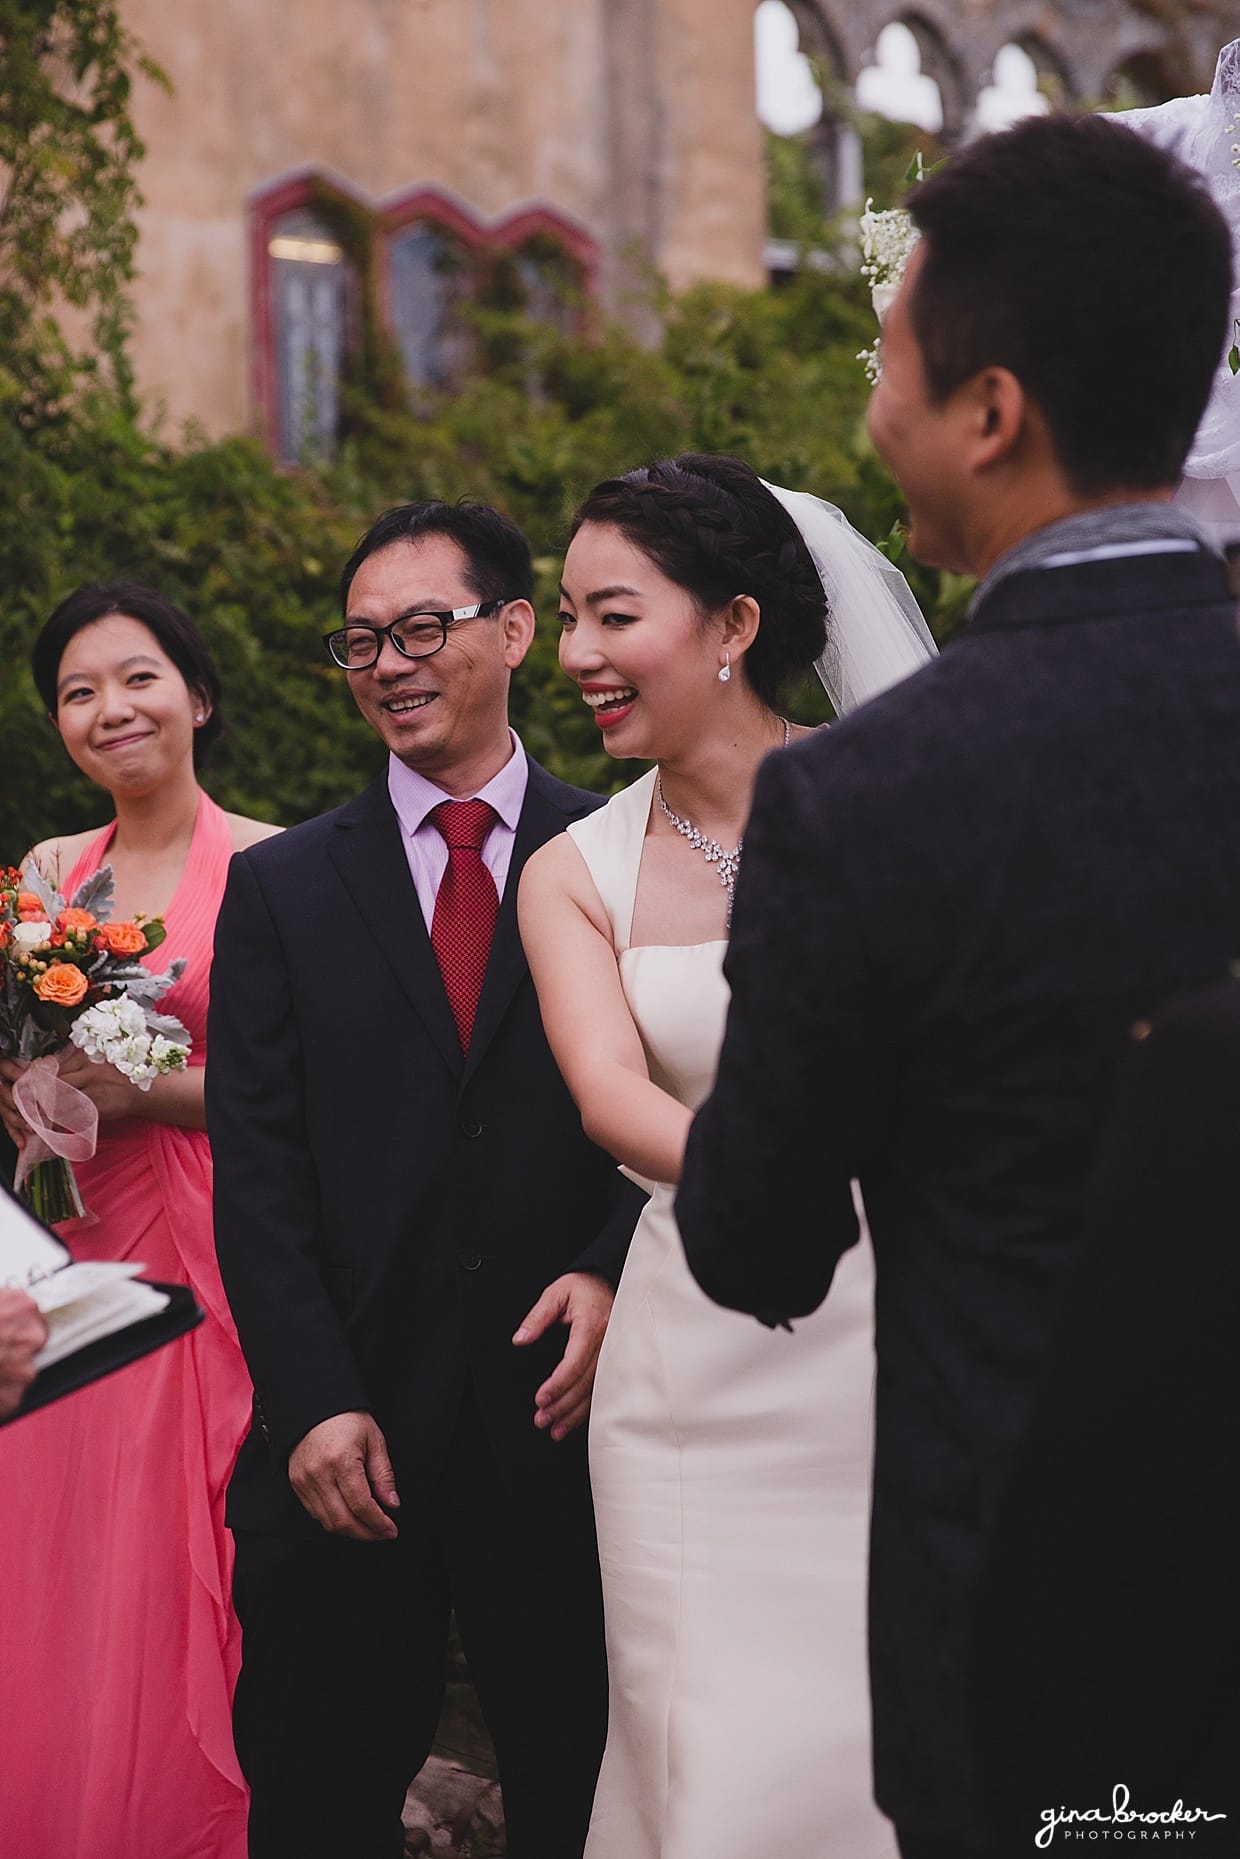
[409, 1221]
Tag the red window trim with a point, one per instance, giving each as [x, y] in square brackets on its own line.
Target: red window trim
[513, 228]
[269, 203]
[422, 204]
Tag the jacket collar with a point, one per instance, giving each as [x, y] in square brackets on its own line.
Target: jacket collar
[367, 852]
[1133, 586]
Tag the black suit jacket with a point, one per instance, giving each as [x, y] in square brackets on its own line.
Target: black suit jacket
[953, 905]
[386, 1210]
[1108, 1637]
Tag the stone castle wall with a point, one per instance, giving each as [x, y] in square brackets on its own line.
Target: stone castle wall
[633, 120]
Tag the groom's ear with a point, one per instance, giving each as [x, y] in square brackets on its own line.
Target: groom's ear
[996, 418]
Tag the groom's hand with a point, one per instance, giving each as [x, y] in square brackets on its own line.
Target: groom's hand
[582, 1301]
[341, 1472]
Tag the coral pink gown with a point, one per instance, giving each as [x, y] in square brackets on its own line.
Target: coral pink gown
[119, 1648]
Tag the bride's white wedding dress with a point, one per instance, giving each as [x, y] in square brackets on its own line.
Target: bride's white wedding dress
[731, 1475]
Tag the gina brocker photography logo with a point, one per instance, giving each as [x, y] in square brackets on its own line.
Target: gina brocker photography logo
[1123, 1821]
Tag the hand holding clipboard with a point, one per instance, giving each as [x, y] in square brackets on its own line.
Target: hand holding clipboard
[99, 1314]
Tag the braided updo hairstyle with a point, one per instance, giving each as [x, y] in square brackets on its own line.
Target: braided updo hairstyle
[709, 524]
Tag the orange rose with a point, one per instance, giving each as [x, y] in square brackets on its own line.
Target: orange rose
[29, 907]
[61, 985]
[122, 938]
[76, 920]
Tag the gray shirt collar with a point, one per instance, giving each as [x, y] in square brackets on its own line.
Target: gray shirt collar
[1125, 528]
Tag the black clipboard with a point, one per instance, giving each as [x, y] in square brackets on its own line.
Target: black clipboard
[106, 1353]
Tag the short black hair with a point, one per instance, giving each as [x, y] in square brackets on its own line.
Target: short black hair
[497, 556]
[708, 522]
[176, 633]
[1097, 269]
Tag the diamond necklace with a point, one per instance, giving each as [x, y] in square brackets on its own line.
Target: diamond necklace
[711, 850]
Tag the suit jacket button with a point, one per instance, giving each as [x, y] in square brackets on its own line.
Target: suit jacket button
[470, 1127]
[471, 1261]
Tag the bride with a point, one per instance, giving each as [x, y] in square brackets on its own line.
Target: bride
[730, 1464]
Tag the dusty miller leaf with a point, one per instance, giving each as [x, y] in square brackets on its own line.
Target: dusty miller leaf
[33, 880]
[170, 1028]
[146, 988]
[96, 894]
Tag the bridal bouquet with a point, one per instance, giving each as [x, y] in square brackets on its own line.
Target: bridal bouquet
[69, 975]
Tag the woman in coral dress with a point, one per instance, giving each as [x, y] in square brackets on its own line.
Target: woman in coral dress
[118, 1644]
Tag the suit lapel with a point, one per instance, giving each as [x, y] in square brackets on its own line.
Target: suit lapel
[366, 850]
[543, 815]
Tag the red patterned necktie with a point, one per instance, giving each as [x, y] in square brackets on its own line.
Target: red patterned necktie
[466, 906]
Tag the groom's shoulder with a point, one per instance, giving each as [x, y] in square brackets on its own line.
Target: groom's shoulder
[920, 752]
[914, 711]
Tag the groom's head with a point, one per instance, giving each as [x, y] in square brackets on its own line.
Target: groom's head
[1056, 336]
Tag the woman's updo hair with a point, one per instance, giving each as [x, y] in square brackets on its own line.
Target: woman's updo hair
[176, 633]
[710, 525]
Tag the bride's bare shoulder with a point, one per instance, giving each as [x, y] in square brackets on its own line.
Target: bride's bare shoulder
[246, 832]
[556, 883]
[557, 866]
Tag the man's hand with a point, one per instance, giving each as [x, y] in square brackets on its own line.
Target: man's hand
[341, 1472]
[582, 1301]
[22, 1335]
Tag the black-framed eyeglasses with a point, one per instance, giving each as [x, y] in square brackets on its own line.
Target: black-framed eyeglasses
[415, 635]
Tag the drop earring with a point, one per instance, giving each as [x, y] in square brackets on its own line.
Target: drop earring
[725, 670]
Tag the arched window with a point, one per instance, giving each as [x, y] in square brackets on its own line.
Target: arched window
[428, 273]
[310, 238]
[814, 161]
[554, 265]
[431, 242]
[897, 84]
[310, 313]
[550, 284]
[304, 305]
[1013, 91]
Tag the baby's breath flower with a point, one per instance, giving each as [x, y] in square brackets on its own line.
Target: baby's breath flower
[887, 243]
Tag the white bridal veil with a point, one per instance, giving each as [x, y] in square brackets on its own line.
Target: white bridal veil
[875, 631]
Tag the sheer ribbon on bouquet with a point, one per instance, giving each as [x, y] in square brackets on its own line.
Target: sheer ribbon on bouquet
[64, 1126]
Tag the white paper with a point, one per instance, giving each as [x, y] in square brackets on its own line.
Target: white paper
[113, 1304]
[28, 1252]
[82, 1300]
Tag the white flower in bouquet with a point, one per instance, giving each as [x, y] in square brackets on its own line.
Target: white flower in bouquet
[30, 935]
[115, 1032]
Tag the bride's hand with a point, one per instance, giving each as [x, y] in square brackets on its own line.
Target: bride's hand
[583, 1301]
[10, 1115]
[112, 1094]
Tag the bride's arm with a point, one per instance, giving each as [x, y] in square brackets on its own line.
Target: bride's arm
[589, 1027]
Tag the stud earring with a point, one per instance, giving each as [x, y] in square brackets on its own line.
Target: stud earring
[198, 717]
[725, 670]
